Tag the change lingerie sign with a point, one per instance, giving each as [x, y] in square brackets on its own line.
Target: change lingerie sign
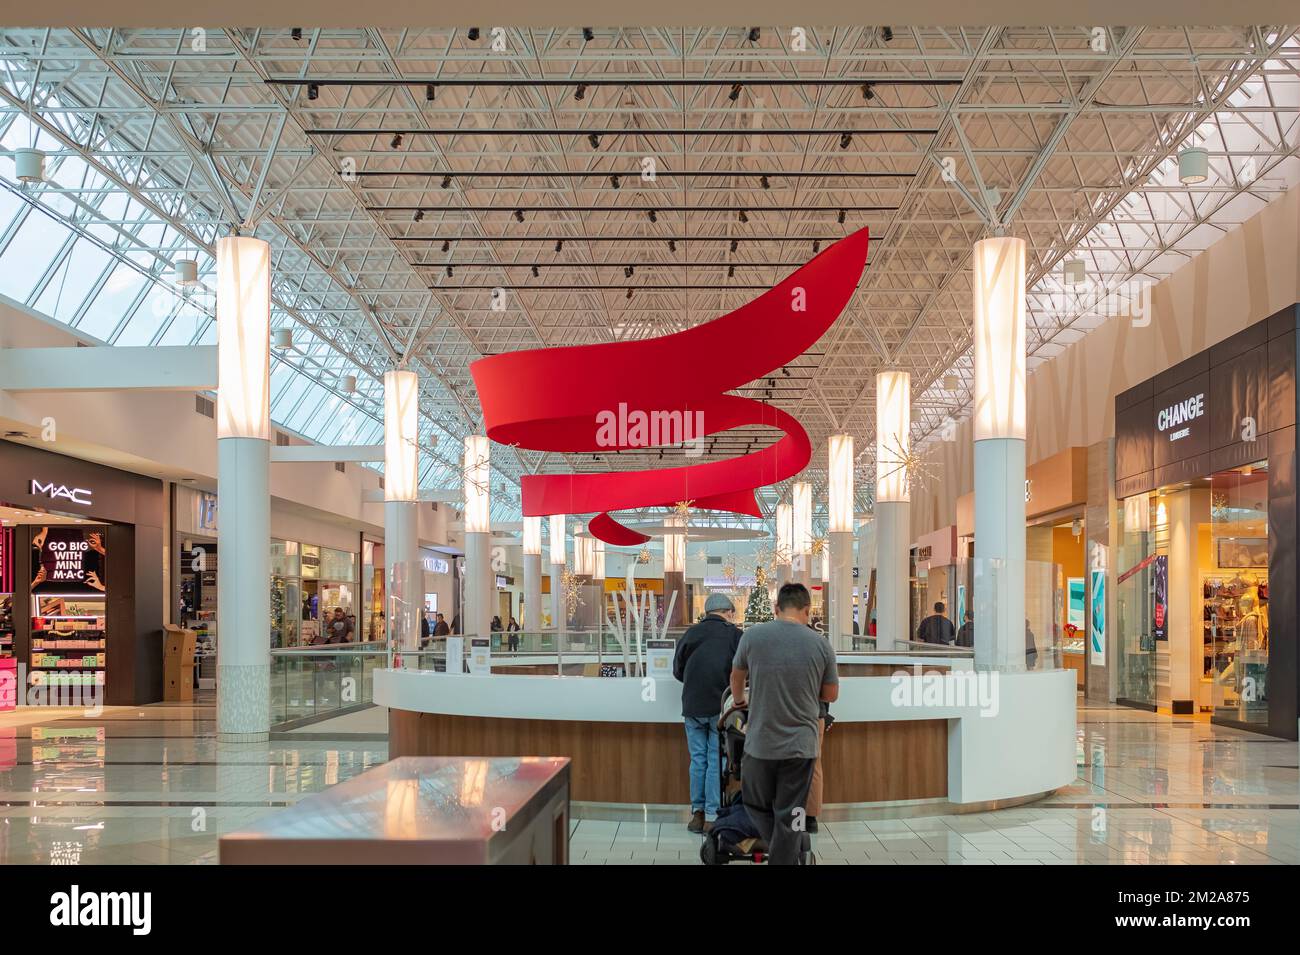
[1178, 416]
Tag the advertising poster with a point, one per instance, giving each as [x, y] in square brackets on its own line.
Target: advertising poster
[68, 561]
[961, 605]
[1097, 630]
[1160, 598]
[1074, 614]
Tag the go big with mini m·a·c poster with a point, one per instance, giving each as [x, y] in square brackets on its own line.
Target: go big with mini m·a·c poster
[68, 561]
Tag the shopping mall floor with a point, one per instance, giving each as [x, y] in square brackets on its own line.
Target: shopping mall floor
[152, 785]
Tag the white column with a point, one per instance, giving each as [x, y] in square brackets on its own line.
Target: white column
[559, 612]
[675, 570]
[893, 508]
[784, 544]
[532, 619]
[839, 505]
[999, 431]
[480, 582]
[244, 483]
[801, 518]
[403, 572]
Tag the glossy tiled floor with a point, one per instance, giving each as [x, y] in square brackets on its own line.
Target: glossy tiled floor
[152, 785]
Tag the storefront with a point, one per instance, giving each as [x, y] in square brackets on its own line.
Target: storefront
[82, 561]
[1204, 570]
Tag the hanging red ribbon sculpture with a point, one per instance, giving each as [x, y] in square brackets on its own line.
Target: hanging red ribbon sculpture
[652, 392]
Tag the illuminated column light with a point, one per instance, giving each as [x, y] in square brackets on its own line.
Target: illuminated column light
[837, 558]
[559, 612]
[532, 547]
[401, 436]
[802, 496]
[243, 338]
[598, 563]
[999, 458]
[999, 276]
[893, 519]
[558, 555]
[784, 542]
[840, 474]
[675, 567]
[478, 477]
[243, 481]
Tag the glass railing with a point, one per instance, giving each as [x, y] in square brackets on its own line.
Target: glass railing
[317, 682]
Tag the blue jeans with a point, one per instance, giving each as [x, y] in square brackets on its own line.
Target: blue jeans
[702, 741]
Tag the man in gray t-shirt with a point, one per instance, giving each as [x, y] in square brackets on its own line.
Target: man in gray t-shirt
[791, 671]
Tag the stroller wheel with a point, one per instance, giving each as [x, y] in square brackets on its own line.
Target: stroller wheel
[709, 854]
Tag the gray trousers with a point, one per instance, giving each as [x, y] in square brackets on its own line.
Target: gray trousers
[772, 789]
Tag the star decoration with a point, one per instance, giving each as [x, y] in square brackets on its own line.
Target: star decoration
[683, 508]
[910, 461]
[1219, 507]
[644, 556]
[572, 591]
[702, 554]
[818, 545]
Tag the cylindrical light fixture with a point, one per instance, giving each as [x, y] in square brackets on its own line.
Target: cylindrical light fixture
[598, 564]
[243, 336]
[1193, 166]
[557, 538]
[999, 329]
[532, 536]
[584, 554]
[784, 533]
[186, 272]
[675, 545]
[840, 479]
[478, 475]
[401, 437]
[282, 338]
[893, 428]
[802, 516]
[349, 384]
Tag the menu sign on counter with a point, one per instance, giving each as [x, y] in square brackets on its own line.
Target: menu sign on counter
[480, 656]
[68, 561]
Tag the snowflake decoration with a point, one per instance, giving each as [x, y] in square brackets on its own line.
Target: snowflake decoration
[818, 545]
[729, 572]
[683, 508]
[702, 554]
[1219, 507]
[910, 461]
[644, 556]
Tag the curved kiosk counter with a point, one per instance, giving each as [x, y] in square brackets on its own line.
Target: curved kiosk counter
[907, 731]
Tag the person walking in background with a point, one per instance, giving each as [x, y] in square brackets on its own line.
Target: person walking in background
[440, 628]
[966, 635]
[791, 672]
[936, 628]
[702, 664]
[512, 638]
[424, 629]
[1031, 647]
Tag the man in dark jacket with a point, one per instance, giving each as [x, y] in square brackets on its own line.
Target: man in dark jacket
[703, 665]
[936, 628]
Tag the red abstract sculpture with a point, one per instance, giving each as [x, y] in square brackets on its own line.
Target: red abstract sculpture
[647, 393]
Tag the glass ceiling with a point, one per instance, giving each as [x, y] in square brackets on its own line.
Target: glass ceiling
[83, 252]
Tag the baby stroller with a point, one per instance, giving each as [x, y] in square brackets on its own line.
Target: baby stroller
[734, 837]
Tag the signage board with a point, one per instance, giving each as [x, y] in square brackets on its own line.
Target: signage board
[455, 654]
[659, 658]
[60, 492]
[480, 656]
[68, 561]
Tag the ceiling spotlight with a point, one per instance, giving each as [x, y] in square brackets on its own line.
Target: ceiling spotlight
[397, 140]
[313, 91]
[785, 371]
[629, 294]
[559, 244]
[296, 33]
[419, 214]
[817, 246]
[654, 216]
[734, 245]
[735, 92]
[536, 273]
[840, 217]
[1193, 166]
[763, 181]
[887, 34]
[580, 92]
[473, 33]
[519, 215]
[615, 181]
[754, 34]
[845, 140]
[446, 182]
[1074, 271]
[450, 273]
[731, 271]
[868, 91]
[742, 216]
[672, 245]
[627, 271]
[588, 34]
[428, 92]
[594, 139]
[446, 245]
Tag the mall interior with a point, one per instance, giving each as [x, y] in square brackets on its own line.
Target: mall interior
[380, 407]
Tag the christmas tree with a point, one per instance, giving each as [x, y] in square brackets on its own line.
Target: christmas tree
[759, 607]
